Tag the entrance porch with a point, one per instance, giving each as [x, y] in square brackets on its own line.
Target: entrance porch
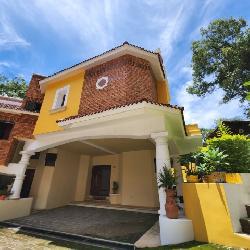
[133, 142]
[120, 172]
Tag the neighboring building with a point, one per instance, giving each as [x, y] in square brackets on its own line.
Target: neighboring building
[18, 118]
[105, 120]
[235, 127]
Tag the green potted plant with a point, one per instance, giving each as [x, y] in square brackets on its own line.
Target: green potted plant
[167, 179]
[188, 162]
[210, 164]
[192, 174]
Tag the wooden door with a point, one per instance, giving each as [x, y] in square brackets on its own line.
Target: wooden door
[100, 182]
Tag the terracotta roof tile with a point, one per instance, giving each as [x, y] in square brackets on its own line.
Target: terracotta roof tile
[135, 46]
[127, 105]
[12, 103]
[120, 106]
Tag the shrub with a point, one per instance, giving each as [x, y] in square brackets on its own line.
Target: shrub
[237, 147]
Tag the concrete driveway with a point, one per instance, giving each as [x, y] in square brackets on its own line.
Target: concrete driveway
[108, 224]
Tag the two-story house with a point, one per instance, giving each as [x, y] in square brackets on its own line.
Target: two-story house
[105, 129]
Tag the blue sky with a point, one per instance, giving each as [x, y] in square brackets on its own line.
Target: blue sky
[44, 36]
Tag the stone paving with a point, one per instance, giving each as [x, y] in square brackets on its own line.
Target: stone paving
[10, 239]
[15, 239]
[109, 224]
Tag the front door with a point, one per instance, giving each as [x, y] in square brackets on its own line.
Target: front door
[100, 183]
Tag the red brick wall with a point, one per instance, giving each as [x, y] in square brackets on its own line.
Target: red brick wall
[33, 93]
[130, 80]
[23, 128]
[24, 124]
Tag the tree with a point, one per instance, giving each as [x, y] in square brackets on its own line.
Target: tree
[15, 87]
[204, 133]
[221, 59]
[247, 84]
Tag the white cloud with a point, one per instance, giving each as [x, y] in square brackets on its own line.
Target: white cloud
[9, 38]
[80, 22]
[205, 111]
[4, 64]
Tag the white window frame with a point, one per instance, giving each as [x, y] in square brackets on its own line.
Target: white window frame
[64, 90]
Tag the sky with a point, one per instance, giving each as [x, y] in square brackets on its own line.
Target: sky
[44, 36]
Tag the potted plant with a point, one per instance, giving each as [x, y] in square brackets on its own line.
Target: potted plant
[210, 164]
[188, 162]
[167, 179]
[192, 174]
[3, 194]
[115, 187]
[204, 170]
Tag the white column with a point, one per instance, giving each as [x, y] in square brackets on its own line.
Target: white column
[23, 163]
[162, 159]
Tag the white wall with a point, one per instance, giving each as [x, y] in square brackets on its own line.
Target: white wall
[238, 195]
[139, 185]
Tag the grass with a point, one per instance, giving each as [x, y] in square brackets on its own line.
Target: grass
[194, 245]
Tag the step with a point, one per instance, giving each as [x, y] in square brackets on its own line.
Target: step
[248, 210]
[78, 239]
[245, 225]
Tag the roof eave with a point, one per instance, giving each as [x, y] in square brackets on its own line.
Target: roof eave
[153, 58]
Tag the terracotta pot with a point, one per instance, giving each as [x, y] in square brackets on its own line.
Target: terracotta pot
[217, 177]
[192, 178]
[172, 210]
[2, 197]
[205, 179]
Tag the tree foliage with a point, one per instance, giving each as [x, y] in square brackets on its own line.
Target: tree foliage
[15, 87]
[221, 59]
[236, 147]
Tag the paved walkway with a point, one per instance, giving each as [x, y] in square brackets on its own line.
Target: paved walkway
[113, 225]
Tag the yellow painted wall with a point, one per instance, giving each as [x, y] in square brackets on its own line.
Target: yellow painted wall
[139, 187]
[64, 182]
[193, 129]
[82, 178]
[163, 92]
[206, 205]
[47, 120]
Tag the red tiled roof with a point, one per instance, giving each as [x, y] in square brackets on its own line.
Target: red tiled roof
[12, 103]
[120, 106]
[149, 51]
[5, 99]
[127, 105]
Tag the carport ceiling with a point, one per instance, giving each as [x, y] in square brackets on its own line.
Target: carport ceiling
[108, 146]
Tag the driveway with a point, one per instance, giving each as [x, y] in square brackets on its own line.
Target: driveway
[107, 224]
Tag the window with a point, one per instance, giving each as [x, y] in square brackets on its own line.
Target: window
[61, 98]
[5, 129]
[50, 159]
[33, 106]
[102, 82]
